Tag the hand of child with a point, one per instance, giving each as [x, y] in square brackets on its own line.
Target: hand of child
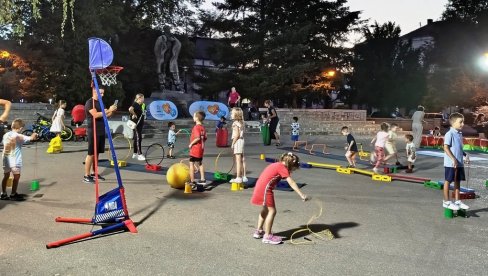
[34, 136]
[466, 159]
[455, 163]
[306, 198]
[189, 146]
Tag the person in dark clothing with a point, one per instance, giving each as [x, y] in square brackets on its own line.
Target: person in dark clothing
[138, 112]
[273, 121]
[95, 133]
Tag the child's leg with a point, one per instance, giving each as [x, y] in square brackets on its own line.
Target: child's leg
[4, 182]
[380, 156]
[409, 165]
[262, 217]
[353, 158]
[238, 165]
[446, 190]
[202, 171]
[268, 221]
[348, 157]
[243, 166]
[15, 184]
[457, 185]
[192, 171]
[170, 152]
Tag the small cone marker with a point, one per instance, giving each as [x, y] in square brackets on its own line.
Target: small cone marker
[241, 186]
[261, 156]
[234, 186]
[187, 188]
[34, 185]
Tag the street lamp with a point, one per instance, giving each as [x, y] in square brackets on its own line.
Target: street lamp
[185, 69]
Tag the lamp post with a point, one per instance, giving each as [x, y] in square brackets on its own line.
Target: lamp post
[185, 69]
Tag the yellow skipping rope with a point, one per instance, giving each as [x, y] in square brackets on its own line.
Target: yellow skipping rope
[322, 235]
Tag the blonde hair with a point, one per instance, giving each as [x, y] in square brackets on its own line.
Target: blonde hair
[238, 114]
[18, 124]
[60, 103]
[292, 162]
[138, 96]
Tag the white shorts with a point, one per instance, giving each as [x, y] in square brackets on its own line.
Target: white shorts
[14, 170]
[390, 148]
[239, 146]
[410, 159]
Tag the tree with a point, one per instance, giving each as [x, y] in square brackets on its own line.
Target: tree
[387, 72]
[282, 46]
[472, 11]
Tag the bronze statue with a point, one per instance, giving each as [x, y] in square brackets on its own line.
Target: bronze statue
[167, 49]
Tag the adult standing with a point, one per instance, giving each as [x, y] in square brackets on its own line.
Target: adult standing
[273, 121]
[138, 112]
[234, 98]
[95, 132]
[417, 125]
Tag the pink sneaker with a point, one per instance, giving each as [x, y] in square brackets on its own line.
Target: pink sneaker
[272, 239]
[258, 234]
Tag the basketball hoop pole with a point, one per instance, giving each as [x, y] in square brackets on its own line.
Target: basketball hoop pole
[107, 208]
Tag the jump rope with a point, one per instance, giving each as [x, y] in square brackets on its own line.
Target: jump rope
[325, 235]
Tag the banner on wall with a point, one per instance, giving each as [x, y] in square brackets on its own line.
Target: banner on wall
[162, 110]
[213, 110]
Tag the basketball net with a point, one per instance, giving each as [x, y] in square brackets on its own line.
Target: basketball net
[108, 75]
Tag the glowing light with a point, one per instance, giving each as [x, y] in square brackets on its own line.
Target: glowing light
[4, 54]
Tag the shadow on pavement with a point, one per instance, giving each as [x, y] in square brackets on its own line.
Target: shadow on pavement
[334, 228]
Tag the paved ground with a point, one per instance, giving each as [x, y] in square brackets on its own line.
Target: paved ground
[381, 228]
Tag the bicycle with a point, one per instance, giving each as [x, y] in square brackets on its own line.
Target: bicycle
[42, 127]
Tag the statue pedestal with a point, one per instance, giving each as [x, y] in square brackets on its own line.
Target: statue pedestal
[181, 99]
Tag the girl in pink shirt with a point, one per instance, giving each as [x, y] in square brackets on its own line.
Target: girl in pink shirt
[379, 145]
[263, 194]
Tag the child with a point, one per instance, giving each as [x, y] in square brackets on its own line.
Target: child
[238, 145]
[453, 161]
[12, 158]
[436, 132]
[351, 148]
[411, 156]
[390, 144]
[171, 139]
[221, 124]
[58, 119]
[379, 145]
[197, 145]
[263, 194]
[295, 131]
[264, 120]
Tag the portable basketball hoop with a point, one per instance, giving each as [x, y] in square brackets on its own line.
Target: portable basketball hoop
[111, 210]
[108, 75]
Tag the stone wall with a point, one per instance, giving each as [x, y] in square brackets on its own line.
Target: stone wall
[27, 111]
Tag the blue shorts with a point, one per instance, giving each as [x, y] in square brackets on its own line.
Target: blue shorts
[450, 173]
[294, 137]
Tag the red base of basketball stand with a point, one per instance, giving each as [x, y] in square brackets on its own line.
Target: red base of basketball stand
[128, 224]
[150, 167]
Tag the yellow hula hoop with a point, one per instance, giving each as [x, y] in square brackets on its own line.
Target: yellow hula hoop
[116, 137]
[322, 235]
[217, 161]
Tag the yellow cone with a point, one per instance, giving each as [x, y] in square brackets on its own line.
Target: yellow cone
[261, 156]
[187, 188]
[241, 186]
[234, 186]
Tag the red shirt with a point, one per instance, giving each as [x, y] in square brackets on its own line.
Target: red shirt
[233, 97]
[196, 150]
[267, 181]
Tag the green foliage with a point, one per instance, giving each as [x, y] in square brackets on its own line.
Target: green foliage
[387, 71]
[472, 11]
[282, 46]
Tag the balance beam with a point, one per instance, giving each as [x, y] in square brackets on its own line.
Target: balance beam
[370, 173]
[408, 178]
[324, 165]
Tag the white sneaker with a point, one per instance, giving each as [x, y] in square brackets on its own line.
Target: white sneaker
[450, 205]
[141, 157]
[375, 170]
[461, 205]
[134, 155]
[244, 179]
[236, 180]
